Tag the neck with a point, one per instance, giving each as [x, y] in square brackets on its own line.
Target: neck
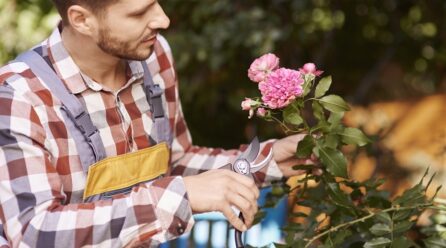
[92, 61]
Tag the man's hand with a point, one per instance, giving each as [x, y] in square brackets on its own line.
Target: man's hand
[284, 151]
[218, 190]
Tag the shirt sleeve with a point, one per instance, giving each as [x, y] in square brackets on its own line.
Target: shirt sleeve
[188, 159]
[33, 207]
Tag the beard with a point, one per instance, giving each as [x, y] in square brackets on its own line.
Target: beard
[121, 49]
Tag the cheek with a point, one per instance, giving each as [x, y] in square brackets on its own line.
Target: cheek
[133, 27]
[126, 29]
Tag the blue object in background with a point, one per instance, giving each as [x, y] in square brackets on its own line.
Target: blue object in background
[212, 229]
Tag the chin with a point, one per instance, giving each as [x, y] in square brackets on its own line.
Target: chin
[139, 56]
[143, 54]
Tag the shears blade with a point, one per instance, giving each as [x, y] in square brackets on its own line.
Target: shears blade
[251, 153]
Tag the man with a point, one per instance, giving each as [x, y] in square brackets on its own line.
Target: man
[47, 196]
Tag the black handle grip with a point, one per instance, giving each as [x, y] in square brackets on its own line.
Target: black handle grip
[238, 234]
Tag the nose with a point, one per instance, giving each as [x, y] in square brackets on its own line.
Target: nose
[159, 20]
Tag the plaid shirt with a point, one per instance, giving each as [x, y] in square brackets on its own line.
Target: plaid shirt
[41, 176]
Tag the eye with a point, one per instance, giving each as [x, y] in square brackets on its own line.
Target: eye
[143, 10]
[138, 14]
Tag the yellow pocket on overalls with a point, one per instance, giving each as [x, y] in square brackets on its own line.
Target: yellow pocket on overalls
[124, 171]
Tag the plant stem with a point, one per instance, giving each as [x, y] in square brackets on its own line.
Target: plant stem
[333, 229]
[305, 186]
[285, 128]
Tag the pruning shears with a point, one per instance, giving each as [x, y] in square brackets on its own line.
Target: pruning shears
[245, 165]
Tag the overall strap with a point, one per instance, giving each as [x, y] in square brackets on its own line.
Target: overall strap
[3, 241]
[161, 131]
[82, 128]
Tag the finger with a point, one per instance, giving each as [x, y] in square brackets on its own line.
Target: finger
[298, 161]
[248, 208]
[287, 166]
[317, 171]
[250, 193]
[245, 181]
[233, 219]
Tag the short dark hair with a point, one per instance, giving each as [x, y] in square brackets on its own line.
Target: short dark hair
[96, 6]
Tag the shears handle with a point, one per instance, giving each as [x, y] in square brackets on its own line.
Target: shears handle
[242, 166]
[238, 234]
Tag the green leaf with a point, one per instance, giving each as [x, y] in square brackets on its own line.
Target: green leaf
[412, 196]
[318, 110]
[339, 197]
[402, 242]
[331, 140]
[260, 215]
[402, 227]
[307, 87]
[334, 160]
[305, 147]
[298, 103]
[384, 217]
[322, 126]
[281, 245]
[374, 183]
[354, 136]
[439, 218]
[402, 214]
[322, 87]
[277, 190]
[380, 229]
[334, 103]
[434, 242]
[335, 118]
[316, 151]
[377, 242]
[340, 236]
[291, 115]
[378, 199]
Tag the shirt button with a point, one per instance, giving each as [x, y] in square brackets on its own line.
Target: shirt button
[180, 228]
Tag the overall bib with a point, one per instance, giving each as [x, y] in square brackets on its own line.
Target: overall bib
[114, 175]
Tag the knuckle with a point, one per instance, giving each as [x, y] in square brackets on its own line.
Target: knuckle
[252, 184]
[254, 207]
[226, 195]
[247, 205]
[232, 218]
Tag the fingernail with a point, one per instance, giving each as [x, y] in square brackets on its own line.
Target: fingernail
[244, 228]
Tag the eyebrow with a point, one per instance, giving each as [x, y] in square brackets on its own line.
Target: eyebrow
[142, 9]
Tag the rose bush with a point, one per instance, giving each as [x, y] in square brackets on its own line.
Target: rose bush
[342, 212]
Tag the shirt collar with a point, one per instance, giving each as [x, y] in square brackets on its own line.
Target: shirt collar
[69, 72]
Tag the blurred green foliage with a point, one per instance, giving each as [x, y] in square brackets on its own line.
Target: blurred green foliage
[23, 24]
[375, 50]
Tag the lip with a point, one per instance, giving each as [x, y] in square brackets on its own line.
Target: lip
[150, 39]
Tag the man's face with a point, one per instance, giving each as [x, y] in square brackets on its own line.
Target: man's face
[128, 29]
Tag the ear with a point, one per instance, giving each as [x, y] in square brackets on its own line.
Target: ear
[81, 19]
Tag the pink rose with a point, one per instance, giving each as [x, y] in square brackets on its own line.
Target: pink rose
[281, 87]
[261, 112]
[251, 113]
[261, 67]
[246, 104]
[310, 68]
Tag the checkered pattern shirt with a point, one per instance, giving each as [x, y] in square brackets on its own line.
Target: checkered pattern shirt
[41, 176]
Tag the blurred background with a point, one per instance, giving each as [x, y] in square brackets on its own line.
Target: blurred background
[387, 58]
